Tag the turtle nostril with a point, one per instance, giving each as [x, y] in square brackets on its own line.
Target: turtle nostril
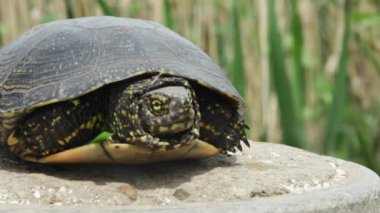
[185, 112]
[191, 114]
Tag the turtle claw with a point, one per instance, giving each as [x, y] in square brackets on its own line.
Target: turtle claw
[232, 149]
[246, 142]
[243, 137]
[231, 140]
[239, 147]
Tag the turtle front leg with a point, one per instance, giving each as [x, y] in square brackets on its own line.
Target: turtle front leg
[147, 140]
[58, 127]
[221, 125]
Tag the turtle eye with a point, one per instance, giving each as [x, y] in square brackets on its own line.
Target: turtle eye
[157, 107]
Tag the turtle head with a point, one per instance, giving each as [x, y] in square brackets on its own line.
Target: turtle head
[157, 112]
[167, 111]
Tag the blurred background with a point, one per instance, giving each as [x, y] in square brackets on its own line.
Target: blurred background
[309, 70]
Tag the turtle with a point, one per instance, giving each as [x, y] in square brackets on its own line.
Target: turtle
[159, 96]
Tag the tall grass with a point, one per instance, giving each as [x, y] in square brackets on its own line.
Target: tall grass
[340, 92]
[106, 8]
[364, 136]
[69, 8]
[365, 21]
[237, 71]
[220, 36]
[168, 20]
[292, 127]
[299, 76]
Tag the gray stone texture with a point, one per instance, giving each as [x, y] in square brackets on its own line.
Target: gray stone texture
[264, 178]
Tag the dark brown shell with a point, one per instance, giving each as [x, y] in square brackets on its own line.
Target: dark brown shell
[65, 59]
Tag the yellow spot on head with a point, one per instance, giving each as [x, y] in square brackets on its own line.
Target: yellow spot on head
[177, 126]
[68, 139]
[163, 129]
[12, 140]
[195, 132]
[144, 139]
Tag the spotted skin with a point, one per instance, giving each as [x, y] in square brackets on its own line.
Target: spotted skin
[140, 124]
[221, 124]
[58, 127]
[159, 112]
[64, 125]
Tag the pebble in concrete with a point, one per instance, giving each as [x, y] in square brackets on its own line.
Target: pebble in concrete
[265, 177]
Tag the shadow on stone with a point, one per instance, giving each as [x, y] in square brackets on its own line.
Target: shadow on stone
[144, 176]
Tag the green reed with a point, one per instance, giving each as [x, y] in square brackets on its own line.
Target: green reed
[237, 71]
[338, 106]
[291, 118]
[106, 8]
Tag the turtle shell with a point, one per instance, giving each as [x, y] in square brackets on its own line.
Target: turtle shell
[65, 59]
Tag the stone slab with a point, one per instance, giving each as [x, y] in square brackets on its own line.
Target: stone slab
[266, 177]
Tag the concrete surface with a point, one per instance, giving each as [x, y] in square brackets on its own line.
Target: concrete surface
[264, 178]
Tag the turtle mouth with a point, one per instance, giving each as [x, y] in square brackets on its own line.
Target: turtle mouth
[172, 123]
